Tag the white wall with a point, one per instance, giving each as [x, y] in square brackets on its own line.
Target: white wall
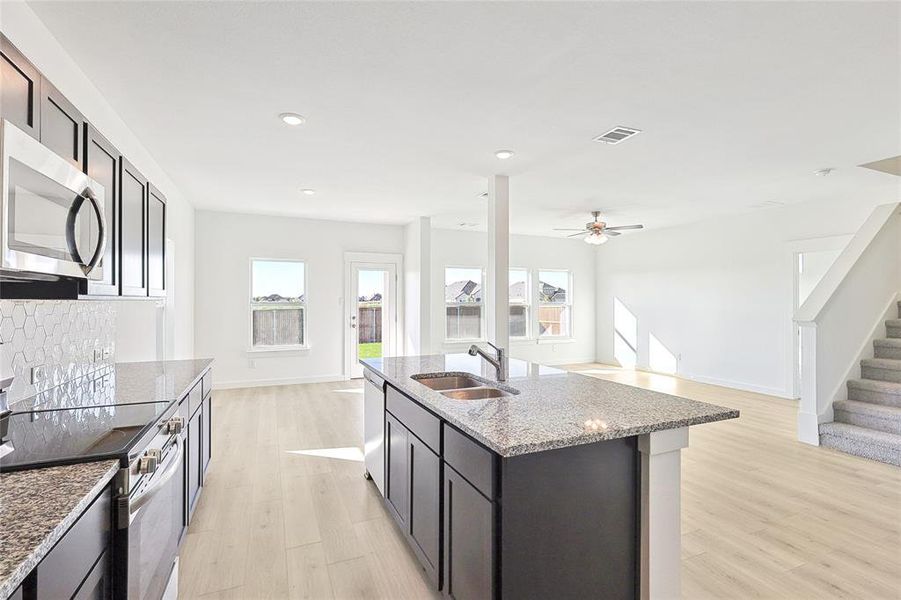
[135, 319]
[717, 294]
[226, 242]
[470, 248]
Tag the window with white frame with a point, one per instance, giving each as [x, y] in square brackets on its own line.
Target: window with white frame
[520, 293]
[463, 303]
[278, 305]
[554, 304]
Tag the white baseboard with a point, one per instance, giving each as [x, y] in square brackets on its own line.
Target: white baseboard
[740, 385]
[234, 385]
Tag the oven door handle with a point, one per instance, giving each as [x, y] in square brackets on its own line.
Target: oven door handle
[72, 243]
[162, 479]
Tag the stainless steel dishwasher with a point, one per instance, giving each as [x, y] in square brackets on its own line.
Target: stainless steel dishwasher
[374, 428]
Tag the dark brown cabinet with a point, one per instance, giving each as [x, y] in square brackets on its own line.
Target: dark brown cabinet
[156, 242]
[468, 539]
[74, 558]
[133, 230]
[396, 489]
[20, 90]
[101, 163]
[193, 458]
[413, 493]
[205, 446]
[425, 505]
[97, 584]
[62, 125]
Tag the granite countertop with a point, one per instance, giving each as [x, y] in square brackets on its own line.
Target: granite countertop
[37, 507]
[554, 408]
[124, 383]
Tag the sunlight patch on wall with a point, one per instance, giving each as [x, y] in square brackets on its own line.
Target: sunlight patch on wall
[625, 335]
[660, 358]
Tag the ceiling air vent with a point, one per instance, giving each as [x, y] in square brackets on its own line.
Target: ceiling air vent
[617, 135]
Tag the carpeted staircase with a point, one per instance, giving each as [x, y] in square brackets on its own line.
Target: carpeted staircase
[868, 423]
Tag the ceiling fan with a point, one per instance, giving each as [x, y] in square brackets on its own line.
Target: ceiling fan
[596, 232]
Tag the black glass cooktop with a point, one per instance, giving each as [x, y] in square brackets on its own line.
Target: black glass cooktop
[53, 437]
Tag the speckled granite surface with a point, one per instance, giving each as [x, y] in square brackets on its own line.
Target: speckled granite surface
[554, 409]
[125, 383]
[36, 509]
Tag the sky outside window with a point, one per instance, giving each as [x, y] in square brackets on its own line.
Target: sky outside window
[285, 278]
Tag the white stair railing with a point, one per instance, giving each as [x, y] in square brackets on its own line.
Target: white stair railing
[843, 314]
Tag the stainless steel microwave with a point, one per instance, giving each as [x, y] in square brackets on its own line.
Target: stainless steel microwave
[51, 214]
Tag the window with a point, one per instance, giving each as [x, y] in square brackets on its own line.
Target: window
[520, 293]
[277, 304]
[554, 304]
[463, 303]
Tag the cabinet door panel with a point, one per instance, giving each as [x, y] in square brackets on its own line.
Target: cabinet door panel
[206, 452]
[62, 125]
[468, 540]
[101, 162]
[425, 504]
[97, 584]
[133, 230]
[156, 242]
[20, 90]
[194, 436]
[396, 490]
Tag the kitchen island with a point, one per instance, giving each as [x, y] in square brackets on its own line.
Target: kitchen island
[561, 485]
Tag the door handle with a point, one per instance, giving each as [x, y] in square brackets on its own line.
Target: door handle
[72, 243]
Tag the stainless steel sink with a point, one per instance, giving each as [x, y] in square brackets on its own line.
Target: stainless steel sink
[481, 393]
[448, 382]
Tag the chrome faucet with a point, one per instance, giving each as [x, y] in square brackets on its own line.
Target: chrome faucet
[499, 363]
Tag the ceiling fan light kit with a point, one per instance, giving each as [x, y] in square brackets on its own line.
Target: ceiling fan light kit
[596, 232]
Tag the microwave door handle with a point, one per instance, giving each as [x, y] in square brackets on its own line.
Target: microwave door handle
[71, 242]
[101, 231]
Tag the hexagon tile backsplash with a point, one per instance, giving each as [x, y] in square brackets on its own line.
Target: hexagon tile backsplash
[68, 338]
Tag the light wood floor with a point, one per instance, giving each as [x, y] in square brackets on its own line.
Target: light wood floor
[763, 516]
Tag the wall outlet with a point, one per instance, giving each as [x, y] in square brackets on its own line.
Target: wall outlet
[38, 374]
[98, 354]
[107, 352]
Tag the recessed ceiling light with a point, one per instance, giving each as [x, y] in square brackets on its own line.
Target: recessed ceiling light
[308, 192]
[292, 118]
[504, 154]
[823, 172]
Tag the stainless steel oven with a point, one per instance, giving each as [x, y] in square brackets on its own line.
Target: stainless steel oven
[51, 214]
[151, 512]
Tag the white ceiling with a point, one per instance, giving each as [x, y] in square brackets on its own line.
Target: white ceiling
[407, 102]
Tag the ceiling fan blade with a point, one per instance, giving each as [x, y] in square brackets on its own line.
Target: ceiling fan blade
[558, 229]
[611, 233]
[577, 234]
[624, 227]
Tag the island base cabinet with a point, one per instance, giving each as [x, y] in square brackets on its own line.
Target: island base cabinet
[396, 490]
[425, 505]
[413, 493]
[468, 540]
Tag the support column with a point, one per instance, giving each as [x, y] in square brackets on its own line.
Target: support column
[661, 518]
[499, 261]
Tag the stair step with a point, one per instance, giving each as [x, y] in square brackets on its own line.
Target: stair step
[886, 393]
[871, 416]
[888, 348]
[860, 441]
[893, 328]
[882, 369]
